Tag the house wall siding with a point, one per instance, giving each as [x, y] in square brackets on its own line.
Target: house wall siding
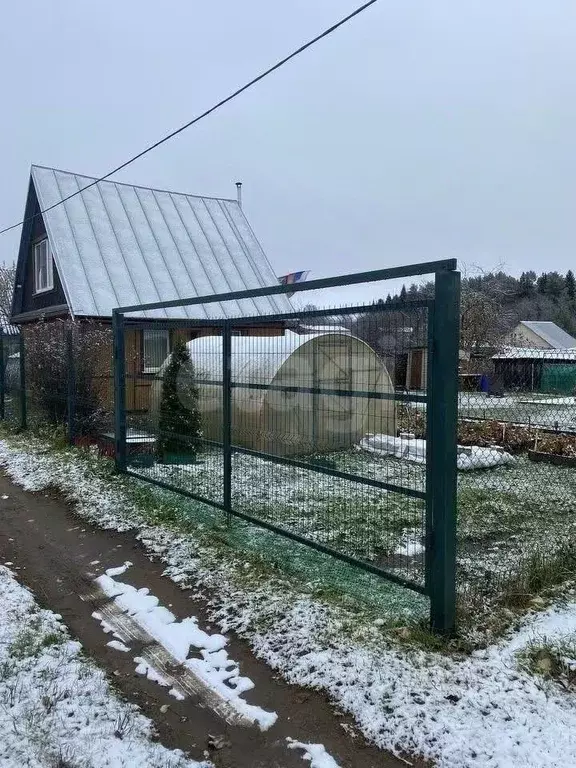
[523, 336]
[30, 300]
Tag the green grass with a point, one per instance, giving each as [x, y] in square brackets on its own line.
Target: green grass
[30, 641]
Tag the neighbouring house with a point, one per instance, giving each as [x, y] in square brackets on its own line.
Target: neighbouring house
[117, 244]
[529, 369]
[539, 334]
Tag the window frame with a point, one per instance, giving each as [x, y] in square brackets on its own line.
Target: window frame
[151, 370]
[49, 267]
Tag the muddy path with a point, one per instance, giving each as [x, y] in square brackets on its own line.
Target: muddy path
[54, 553]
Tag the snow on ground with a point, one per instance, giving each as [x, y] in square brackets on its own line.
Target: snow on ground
[480, 711]
[412, 449]
[314, 753]
[56, 706]
[214, 668]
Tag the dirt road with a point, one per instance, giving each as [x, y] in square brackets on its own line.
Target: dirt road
[54, 554]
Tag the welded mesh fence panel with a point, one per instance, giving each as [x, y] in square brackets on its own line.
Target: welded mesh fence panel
[517, 473]
[10, 384]
[315, 403]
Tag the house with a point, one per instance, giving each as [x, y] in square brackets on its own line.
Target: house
[539, 334]
[118, 244]
[530, 369]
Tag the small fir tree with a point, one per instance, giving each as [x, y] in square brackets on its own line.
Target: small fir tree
[179, 425]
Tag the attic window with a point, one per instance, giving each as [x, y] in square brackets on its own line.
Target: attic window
[156, 349]
[43, 269]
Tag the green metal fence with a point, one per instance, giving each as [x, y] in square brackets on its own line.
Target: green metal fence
[293, 421]
[12, 400]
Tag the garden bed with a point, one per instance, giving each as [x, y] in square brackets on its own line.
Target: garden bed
[557, 459]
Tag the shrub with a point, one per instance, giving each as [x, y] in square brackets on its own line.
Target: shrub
[68, 354]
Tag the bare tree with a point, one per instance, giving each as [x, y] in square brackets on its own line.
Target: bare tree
[7, 279]
[485, 317]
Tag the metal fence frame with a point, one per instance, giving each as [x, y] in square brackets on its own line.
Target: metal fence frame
[4, 338]
[441, 398]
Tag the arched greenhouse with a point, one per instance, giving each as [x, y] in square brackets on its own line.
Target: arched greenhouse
[269, 414]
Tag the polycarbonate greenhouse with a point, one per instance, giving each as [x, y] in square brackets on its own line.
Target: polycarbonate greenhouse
[268, 414]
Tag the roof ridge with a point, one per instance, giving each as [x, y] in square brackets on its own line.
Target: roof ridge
[134, 186]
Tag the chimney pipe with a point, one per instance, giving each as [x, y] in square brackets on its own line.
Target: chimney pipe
[239, 193]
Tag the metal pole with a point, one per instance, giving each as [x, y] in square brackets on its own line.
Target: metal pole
[429, 543]
[227, 417]
[119, 391]
[2, 377]
[71, 404]
[23, 408]
[442, 451]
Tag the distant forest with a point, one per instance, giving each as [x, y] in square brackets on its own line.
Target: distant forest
[550, 296]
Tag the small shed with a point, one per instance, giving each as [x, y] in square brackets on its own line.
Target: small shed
[552, 371]
[285, 391]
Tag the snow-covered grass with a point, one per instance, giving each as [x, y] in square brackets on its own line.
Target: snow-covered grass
[527, 408]
[509, 516]
[553, 658]
[56, 707]
[480, 710]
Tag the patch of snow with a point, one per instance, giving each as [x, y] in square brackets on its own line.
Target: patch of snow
[116, 571]
[214, 668]
[118, 646]
[315, 753]
[57, 705]
[144, 667]
[412, 449]
[411, 544]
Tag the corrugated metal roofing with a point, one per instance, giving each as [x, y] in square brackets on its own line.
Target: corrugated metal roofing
[551, 333]
[117, 245]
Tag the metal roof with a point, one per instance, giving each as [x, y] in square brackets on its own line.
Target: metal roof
[117, 245]
[550, 333]
[536, 353]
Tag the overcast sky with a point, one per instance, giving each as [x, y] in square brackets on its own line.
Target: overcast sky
[421, 130]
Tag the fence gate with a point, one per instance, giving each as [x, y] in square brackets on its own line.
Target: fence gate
[334, 427]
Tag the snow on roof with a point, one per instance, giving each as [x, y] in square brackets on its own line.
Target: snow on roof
[117, 245]
[534, 353]
[325, 328]
[551, 333]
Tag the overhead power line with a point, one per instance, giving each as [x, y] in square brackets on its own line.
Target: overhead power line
[197, 119]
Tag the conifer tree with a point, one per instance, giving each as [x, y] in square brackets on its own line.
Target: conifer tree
[179, 425]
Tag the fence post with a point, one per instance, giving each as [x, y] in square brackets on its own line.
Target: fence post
[119, 361]
[71, 398]
[23, 405]
[441, 454]
[227, 417]
[2, 378]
